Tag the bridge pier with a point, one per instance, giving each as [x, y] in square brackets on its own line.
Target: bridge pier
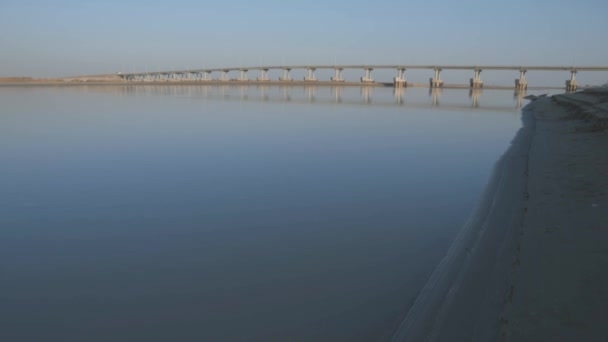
[286, 75]
[368, 76]
[311, 75]
[436, 81]
[338, 75]
[521, 83]
[243, 77]
[400, 80]
[207, 76]
[572, 84]
[476, 81]
[224, 76]
[264, 76]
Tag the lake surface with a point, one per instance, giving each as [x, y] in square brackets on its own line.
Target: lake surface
[201, 213]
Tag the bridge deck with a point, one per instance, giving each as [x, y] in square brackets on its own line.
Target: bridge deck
[376, 66]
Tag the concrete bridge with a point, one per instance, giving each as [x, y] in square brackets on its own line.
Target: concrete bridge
[206, 75]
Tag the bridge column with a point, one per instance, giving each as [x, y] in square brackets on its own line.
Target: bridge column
[521, 83]
[224, 76]
[264, 75]
[436, 81]
[338, 75]
[572, 84]
[243, 76]
[476, 81]
[286, 75]
[368, 76]
[311, 75]
[400, 80]
[206, 75]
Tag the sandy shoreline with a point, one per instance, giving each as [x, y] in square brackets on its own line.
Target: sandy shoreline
[530, 263]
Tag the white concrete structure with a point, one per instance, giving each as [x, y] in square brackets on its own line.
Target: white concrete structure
[368, 76]
[311, 75]
[436, 81]
[476, 81]
[338, 75]
[521, 83]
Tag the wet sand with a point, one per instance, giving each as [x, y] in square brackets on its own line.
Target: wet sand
[530, 263]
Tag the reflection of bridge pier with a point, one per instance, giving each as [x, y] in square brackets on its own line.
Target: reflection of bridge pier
[244, 93]
[474, 94]
[336, 95]
[519, 96]
[366, 94]
[435, 94]
[337, 92]
[311, 92]
[264, 92]
[286, 94]
[399, 92]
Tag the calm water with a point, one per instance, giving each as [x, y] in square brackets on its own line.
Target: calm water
[232, 214]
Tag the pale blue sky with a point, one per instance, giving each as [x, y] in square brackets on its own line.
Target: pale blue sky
[67, 37]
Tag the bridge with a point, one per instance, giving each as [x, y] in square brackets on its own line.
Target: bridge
[206, 75]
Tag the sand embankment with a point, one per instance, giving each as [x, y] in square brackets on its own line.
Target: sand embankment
[560, 290]
[530, 263]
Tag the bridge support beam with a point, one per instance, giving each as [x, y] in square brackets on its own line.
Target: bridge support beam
[338, 75]
[521, 83]
[476, 81]
[311, 75]
[368, 76]
[243, 77]
[264, 76]
[572, 84]
[207, 76]
[436, 81]
[286, 75]
[400, 81]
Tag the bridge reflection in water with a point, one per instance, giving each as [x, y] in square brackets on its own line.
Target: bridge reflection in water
[454, 99]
